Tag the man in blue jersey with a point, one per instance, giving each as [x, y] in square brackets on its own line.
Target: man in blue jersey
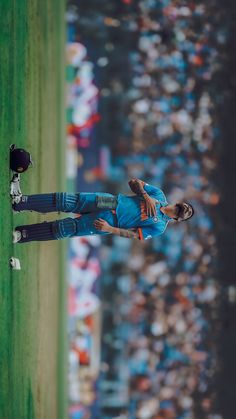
[142, 216]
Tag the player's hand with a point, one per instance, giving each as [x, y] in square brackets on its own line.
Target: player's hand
[136, 186]
[150, 205]
[101, 225]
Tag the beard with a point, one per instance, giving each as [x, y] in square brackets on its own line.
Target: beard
[179, 210]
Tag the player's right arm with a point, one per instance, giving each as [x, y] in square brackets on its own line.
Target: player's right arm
[103, 225]
[137, 186]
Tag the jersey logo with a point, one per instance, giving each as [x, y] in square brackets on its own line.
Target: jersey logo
[144, 215]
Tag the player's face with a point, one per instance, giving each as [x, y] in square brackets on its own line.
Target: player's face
[182, 211]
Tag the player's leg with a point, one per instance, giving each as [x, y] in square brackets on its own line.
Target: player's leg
[78, 203]
[85, 222]
[44, 203]
[59, 229]
[34, 232]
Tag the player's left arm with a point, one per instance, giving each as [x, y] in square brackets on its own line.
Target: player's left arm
[103, 225]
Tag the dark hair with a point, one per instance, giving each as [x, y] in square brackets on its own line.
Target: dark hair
[190, 216]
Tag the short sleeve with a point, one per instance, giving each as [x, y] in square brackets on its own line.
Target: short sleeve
[155, 192]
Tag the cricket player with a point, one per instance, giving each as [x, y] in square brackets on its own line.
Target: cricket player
[141, 216]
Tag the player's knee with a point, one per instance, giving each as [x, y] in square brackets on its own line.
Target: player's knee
[66, 202]
[65, 228]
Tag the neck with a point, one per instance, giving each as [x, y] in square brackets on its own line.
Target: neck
[168, 210]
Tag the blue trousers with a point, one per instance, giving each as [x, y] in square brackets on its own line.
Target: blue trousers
[87, 206]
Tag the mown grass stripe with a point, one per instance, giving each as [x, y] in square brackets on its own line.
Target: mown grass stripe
[31, 50]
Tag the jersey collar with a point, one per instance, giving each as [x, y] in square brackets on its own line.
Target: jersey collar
[164, 216]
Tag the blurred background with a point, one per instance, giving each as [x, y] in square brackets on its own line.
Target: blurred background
[151, 94]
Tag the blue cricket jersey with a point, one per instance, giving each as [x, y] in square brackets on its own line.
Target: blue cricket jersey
[131, 213]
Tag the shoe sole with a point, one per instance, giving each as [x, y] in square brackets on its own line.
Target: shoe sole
[15, 237]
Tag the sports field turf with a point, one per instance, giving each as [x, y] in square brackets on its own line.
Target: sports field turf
[32, 301]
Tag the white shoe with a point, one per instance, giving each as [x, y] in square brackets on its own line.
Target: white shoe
[15, 191]
[15, 263]
[15, 199]
[16, 236]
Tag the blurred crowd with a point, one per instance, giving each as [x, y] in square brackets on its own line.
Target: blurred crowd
[162, 129]
[170, 140]
[169, 345]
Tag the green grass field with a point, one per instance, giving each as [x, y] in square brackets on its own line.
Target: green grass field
[32, 301]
